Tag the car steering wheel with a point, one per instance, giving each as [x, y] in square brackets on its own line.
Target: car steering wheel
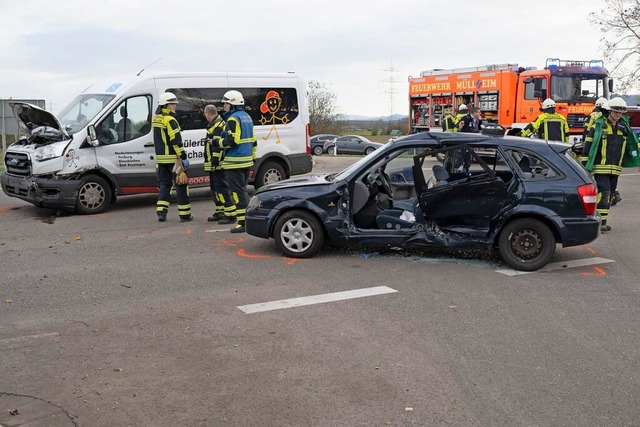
[385, 182]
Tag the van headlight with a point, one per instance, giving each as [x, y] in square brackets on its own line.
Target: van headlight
[41, 157]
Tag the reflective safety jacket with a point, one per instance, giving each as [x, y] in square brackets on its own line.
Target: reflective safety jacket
[449, 123]
[166, 137]
[240, 145]
[549, 126]
[609, 148]
[213, 152]
[591, 121]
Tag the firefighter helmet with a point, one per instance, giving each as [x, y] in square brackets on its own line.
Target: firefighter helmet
[548, 103]
[167, 98]
[462, 108]
[600, 101]
[617, 104]
[233, 97]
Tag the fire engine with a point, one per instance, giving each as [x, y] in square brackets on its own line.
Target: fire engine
[509, 95]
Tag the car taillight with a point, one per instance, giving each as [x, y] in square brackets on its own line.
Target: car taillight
[308, 138]
[589, 198]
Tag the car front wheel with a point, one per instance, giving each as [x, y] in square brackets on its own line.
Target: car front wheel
[317, 150]
[298, 234]
[526, 244]
[369, 150]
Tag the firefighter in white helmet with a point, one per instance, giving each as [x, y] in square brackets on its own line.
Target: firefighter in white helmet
[595, 113]
[610, 146]
[549, 125]
[450, 122]
[169, 149]
[240, 148]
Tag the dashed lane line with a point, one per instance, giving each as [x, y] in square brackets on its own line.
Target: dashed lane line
[315, 299]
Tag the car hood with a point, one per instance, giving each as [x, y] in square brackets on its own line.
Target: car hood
[36, 122]
[296, 182]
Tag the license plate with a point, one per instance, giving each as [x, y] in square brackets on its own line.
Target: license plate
[18, 183]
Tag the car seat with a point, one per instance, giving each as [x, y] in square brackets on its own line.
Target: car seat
[525, 166]
[123, 128]
[390, 219]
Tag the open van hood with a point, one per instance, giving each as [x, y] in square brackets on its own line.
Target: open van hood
[40, 126]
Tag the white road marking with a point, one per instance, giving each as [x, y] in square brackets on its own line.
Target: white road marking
[216, 231]
[315, 299]
[28, 341]
[558, 266]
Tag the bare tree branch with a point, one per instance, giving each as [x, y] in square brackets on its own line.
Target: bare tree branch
[323, 116]
[619, 21]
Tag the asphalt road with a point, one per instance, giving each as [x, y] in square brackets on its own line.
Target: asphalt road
[116, 319]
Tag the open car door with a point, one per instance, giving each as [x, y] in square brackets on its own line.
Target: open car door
[467, 199]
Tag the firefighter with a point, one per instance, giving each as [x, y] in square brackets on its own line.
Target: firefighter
[595, 113]
[169, 149]
[610, 146]
[213, 155]
[240, 147]
[549, 125]
[450, 123]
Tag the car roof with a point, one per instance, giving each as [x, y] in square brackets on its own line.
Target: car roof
[453, 138]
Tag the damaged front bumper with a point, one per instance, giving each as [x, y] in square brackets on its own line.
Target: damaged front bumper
[42, 192]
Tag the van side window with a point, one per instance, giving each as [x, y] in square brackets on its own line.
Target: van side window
[266, 106]
[128, 120]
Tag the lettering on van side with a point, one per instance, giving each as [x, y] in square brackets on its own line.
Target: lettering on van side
[192, 144]
[129, 159]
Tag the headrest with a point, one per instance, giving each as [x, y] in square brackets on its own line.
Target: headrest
[440, 173]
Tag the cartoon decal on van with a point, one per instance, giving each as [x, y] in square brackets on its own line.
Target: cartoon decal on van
[271, 105]
[71, 157]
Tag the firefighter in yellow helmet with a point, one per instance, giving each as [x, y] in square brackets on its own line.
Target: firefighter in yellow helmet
[168, 146]
[549, 125]
[610, 146]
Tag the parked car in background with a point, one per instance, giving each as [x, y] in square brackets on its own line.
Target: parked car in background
[317, 143]
[351, 144]
[529, 197]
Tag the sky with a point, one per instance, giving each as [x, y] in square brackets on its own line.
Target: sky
[363, 51]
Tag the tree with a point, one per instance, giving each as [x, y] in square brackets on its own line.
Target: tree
[323, 116]
[619, 21]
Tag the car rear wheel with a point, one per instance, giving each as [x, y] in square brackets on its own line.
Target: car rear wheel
[269, 173]
[298, 234]
[526, 244]
[94, 195]
[317, 150]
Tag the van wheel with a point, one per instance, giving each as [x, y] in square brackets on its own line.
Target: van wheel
[269, 173]
[298, 234]
[526, 244]
[94, 195]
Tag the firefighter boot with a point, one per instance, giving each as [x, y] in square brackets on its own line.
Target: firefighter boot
[239, 228]
[227, 220]
[616, 198]
[215, 217]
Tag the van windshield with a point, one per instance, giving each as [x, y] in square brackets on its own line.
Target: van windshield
[81, 110]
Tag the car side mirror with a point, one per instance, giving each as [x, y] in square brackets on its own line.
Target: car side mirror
[92, 136]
